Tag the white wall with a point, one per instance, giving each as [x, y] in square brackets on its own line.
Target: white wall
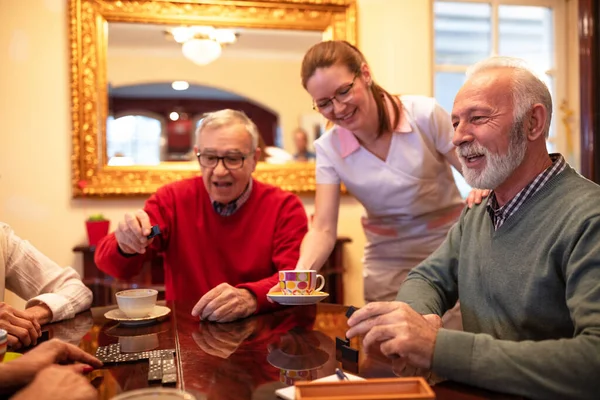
[35, 139]
[396, 37]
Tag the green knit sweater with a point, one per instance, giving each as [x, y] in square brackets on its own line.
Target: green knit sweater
[529, 295]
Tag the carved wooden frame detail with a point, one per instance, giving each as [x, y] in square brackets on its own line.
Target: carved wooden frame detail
[88, 44]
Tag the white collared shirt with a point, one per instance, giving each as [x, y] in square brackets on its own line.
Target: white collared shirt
[34, 277]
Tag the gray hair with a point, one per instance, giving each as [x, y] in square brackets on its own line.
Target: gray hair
[528, 88]
[226, 117]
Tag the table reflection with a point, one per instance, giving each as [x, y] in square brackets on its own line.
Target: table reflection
[72, 330]
[302, 355]
[223, 340]
[230, 361]
[247, 359]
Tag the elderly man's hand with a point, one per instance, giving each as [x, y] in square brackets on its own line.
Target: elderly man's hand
[48, 353]
[225, 303]
[22, 328]
[132, 232]
[398, 329]
[56, 383]
[220, 341]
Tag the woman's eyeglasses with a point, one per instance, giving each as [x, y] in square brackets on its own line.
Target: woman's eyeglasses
[343, 95]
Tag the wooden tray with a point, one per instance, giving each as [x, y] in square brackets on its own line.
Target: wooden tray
[370, 389]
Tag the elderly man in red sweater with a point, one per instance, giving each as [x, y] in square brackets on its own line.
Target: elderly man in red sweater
[224, 235]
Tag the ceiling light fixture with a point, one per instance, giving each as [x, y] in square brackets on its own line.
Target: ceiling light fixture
[202, 44]
[201, 51]
[180, 85]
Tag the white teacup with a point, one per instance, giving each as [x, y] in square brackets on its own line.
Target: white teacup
[136, 303]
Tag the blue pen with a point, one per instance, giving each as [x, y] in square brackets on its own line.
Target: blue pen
[341, 374]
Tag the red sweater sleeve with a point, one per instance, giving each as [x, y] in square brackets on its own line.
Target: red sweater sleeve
[291, 227]
[109, 259]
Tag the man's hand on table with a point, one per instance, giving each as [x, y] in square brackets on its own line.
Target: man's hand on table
[225, 303]
[23, 329]
[58, 382]
[223, 340]
[398, 330]
[54, 351]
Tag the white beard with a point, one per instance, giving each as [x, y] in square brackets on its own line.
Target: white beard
[497, 167]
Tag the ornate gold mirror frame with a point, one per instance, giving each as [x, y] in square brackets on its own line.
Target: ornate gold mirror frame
[89, 98]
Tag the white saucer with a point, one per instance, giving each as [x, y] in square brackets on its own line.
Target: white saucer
[156, 393]
[297, 299]
[156, 313]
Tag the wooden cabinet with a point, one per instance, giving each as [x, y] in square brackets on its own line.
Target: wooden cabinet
[104, 286]
[333, 272]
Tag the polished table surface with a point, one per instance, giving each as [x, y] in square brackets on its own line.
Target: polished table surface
[248, 359]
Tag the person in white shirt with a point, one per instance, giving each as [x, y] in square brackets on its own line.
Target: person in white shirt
[393, 154]
[53, 293]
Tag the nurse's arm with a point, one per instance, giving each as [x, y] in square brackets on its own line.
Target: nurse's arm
[318, 243]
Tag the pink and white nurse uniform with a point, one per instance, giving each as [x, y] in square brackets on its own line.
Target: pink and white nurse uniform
[410, 199]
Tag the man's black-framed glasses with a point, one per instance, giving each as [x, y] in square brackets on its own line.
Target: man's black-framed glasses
[230, 161]
[343, 95]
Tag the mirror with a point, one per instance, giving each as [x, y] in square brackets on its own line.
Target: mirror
[133, 132]
[159, 89]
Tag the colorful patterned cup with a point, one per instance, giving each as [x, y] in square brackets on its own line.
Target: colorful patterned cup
[300, 282]
[290, 377]
[3, 343]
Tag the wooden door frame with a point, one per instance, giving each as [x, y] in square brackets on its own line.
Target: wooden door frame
[588, 22]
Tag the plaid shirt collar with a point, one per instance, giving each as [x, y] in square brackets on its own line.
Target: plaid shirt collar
[499, 214]
[234, 205]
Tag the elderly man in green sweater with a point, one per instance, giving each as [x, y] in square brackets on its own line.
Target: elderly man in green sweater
[526, 263]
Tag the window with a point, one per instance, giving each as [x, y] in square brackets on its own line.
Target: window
[468, 31]
[133, 140]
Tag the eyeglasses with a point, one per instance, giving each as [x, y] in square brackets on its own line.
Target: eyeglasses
[343, 95]
[230, 162]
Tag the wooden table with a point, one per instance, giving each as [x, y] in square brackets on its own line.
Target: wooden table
[248, 359]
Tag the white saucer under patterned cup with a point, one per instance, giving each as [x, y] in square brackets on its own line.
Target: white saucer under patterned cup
[297, 299]
[155, 314]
